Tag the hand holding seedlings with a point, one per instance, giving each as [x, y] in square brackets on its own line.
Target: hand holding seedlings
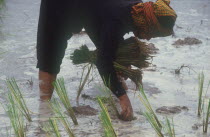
[127, 110]
[121, 77]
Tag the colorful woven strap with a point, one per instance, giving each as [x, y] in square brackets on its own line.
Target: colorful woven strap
[162, 8]
[145, 18]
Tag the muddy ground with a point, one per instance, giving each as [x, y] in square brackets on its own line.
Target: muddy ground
[163, 85]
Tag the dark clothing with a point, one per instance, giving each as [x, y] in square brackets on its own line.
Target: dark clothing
[105, 21]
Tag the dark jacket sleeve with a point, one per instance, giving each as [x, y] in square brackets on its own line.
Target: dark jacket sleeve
[110, 37]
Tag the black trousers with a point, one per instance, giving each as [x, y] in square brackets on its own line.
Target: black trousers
[60, 19]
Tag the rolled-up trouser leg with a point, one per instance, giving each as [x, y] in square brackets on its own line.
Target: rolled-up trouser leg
[56, 25]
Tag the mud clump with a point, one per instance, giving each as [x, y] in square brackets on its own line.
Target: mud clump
[85, 110]
[151, 89]
[187, 41]
[171, 110]
[84, 96]
[196, 126]
[152, 48]
[88, 97]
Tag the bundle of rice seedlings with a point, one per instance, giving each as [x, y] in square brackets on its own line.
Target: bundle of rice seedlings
[153, 122]
[130, 52]
[60, 89]
[106, 121]
[144, 100]
[16, 117]
[170, 131]
[83, 55]
[52, 128]
[133, 52]
[134, 74]
[56, 107]
[200, 92]
[18, 98]
[206, 119]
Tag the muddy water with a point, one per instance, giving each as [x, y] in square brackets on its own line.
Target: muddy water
[162, 85]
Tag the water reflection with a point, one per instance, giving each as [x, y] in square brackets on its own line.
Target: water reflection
[45, 112]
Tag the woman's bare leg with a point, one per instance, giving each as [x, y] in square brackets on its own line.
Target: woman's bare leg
[45, 85]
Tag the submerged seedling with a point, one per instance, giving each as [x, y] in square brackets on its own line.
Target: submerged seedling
[153, 122]
[15, 116]
[150, 114]
[169, 128]
[106, 89]
[60, 89]
[206, 119]
[83, 81]
[52, 128]
[18, 98]
[1, 5]
[106, 120]
[144, 100]
[200, 92]
[56, 107]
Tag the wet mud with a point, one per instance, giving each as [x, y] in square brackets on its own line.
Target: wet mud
[196, 126]
[85, 110]
[187, 41]
[151, 89]
[85, 96]
[152, 48]
[168, 110]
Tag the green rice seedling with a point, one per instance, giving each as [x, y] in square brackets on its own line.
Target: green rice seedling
[83, 81]
[52, 126]
[56, 107]
[18, 98]
[106, 121]
[16, 117]
[200, 92]
[60, 89]
[169, 128]
[153, 122]
[1, 4]
[207, 88]
[105, 88]
[206, 119]
[144, 100]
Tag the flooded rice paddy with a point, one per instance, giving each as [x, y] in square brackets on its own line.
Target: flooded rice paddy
[171, 83]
